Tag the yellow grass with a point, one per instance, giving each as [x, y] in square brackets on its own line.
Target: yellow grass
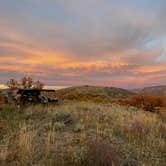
[82, 133]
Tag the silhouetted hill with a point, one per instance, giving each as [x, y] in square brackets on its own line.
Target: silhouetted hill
[154, 90]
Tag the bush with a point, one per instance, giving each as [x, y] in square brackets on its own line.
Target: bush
[76, 157]
[147, 102]
[59, 125]
[78, 128]
[64, 117]
[101, 152]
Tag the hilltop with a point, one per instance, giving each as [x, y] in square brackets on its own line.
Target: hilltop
[90, 92]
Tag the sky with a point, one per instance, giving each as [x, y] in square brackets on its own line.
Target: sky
[118, 43]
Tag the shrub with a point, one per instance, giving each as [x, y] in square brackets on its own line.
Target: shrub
[64, 117]
[101, 152]
[76, 156]
[59, 125]
[147, 102]
[78, 128]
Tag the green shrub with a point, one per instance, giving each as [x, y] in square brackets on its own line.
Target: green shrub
[77, 156]
[59, 125]
[78, 128]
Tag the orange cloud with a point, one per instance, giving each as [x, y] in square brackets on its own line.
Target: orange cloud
[98, 63]
[150, 69]
[61, 59]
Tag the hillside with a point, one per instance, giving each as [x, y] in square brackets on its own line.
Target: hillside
[81, 134]
[154, 90]
[94, 92]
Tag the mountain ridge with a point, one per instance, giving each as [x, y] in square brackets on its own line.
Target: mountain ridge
[159, 90]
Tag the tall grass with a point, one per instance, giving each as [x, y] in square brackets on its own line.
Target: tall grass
[81, 133]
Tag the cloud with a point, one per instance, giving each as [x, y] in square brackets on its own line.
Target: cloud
[80, 42]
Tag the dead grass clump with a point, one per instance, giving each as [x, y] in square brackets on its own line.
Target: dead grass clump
[101, 152]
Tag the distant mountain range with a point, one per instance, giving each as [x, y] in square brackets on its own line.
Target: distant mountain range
[153, 90]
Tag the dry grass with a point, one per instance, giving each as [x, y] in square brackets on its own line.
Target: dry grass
[25, 143]
[82, 133]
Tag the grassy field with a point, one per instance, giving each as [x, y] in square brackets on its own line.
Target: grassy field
[81, 134]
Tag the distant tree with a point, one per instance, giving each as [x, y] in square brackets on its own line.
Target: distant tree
[38, 85]
[25, 83]
[12, 84]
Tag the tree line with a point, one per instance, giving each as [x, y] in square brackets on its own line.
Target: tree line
[24, 83]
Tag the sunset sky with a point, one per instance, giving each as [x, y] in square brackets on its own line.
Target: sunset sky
[118, 43]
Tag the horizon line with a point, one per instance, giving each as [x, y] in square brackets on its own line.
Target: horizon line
[57, 87]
